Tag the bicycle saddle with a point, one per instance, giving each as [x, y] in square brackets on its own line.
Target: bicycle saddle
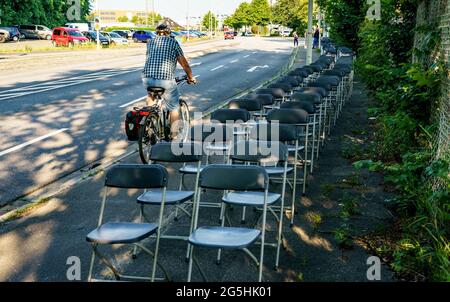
[157, 91]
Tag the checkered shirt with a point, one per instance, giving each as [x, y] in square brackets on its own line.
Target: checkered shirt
[162, 53]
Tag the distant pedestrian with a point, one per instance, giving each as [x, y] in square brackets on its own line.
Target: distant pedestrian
[316, 37]
[295, 39]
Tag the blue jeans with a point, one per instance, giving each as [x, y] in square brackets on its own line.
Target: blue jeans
[171, 96]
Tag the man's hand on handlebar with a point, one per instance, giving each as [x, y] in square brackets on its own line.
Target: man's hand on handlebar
[191, 81]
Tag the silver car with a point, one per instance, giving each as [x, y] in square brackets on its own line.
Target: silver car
[115, 39]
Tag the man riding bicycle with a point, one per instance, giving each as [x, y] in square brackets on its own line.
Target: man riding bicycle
[163, 53]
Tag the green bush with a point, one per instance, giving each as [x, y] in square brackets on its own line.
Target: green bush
[404, 95]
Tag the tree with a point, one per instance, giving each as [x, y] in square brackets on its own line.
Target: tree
[123, 19]
[51, 13]
[155, 18]
[260, 13]
[241, 17]
[210, 21]
[292, 14]
[344, 18]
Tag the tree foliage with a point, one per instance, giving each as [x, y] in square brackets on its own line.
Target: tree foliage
[257, 12]
[210, 21]
[50, 13]
[291, 13]
[344, 18]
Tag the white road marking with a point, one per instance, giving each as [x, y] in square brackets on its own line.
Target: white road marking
[234, 61]
[196, 64]
[254, 52]
[21, 146]
[246, 56]
[256, 67]
[132, 102]
[52, 85]
[197, 76]
[218, 67]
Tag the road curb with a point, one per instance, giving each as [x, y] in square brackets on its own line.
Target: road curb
[73, 179]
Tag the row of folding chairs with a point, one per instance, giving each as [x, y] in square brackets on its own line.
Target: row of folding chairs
[302, 107]
[241, 182]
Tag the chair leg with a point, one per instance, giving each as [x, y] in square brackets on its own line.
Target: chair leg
[141, 217]
[91, 266]
[223, 212]
[158, 235]
[191, 259]
[294, 186]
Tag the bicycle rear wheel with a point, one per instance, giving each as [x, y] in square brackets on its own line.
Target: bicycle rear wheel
[149, 135]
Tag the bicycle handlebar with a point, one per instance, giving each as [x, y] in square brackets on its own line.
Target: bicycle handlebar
[181, 79]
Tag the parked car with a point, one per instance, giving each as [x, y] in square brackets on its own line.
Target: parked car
[123, 33]
[143, 36]
[80, 26]
[31, 31]
[229, 35]
[13, 34]
[285, 33]
[63, 36]
[114, 38]
[92, 37]
[247, 34]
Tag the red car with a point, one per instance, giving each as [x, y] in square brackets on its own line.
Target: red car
[63, 36]
[229, 35]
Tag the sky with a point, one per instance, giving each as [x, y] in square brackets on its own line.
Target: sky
[175, 9]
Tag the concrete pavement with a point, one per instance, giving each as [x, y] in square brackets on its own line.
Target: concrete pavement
[39, 244]
[60, 121]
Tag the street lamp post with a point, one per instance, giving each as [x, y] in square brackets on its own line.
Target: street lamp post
[187, 22]
[309, 35]
[97, 25]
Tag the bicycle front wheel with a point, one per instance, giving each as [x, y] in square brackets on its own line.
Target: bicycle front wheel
[185, 122]
[149, 135]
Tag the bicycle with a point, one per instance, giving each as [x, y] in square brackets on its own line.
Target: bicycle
[155, 125]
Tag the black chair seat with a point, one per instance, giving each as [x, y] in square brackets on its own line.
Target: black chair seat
[121, 232]
[224, 237]
[154, 197]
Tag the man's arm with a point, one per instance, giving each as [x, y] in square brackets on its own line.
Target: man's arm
[184, 63]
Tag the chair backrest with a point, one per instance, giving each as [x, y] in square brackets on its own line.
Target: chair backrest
[316, 67]
[259, 151]
[234, 177]
[264, 98]
[301, 72]
[317, 90]
[276, 92]
[307, 97]
[307, 106]
[322, 84]
[176, 152]
[136, 176]
[333, 80]
[213, 133]
[234, 115]
[288, 116]
[285, 86]
[292, 80]
[308, 69]
[335, 72]
[246, 103]
[274, 132]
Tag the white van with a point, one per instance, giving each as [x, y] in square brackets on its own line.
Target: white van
[80, 26]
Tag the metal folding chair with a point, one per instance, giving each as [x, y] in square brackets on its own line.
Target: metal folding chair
[285, 133]
[269, 155]
[237, 178]
[113, 233]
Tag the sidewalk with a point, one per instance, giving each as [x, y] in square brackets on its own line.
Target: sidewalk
[37, 246]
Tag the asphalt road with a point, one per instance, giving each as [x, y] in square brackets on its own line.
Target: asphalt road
[53, 123]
